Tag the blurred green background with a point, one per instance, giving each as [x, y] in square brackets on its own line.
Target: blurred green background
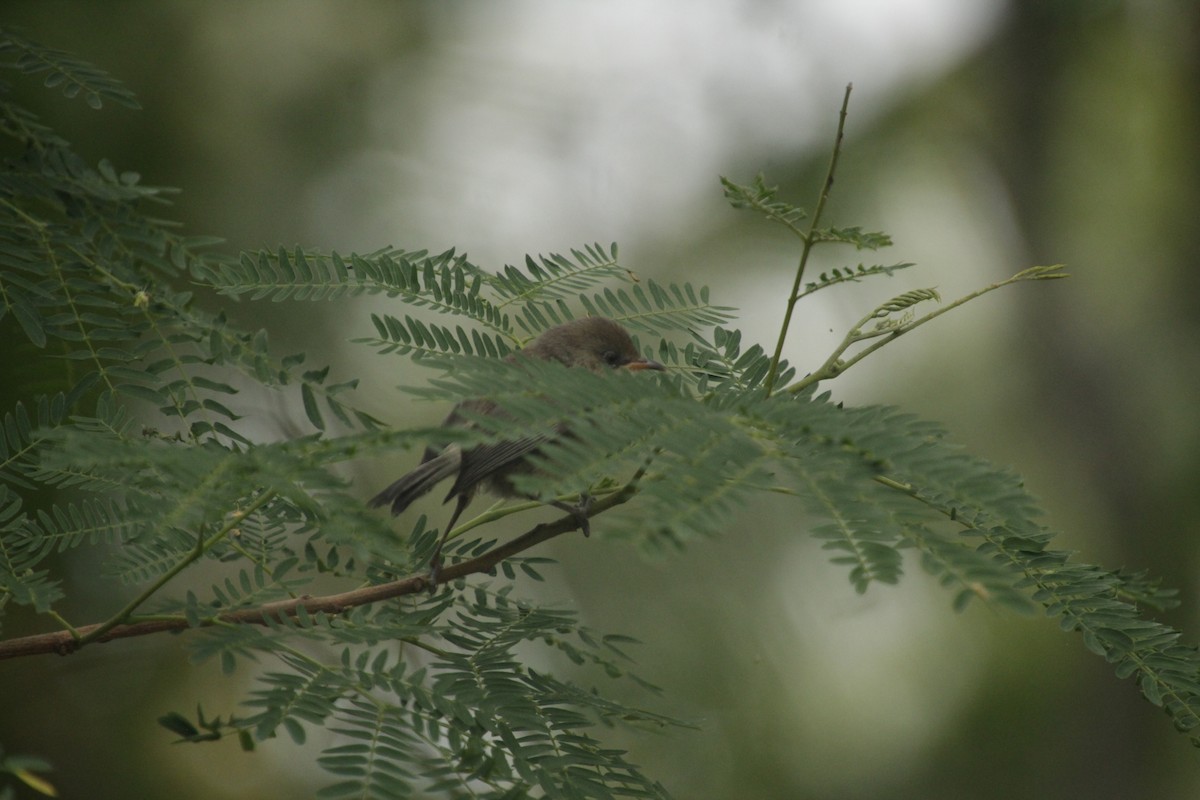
[985, 136]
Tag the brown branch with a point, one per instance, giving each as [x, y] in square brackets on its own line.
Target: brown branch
[67, 642]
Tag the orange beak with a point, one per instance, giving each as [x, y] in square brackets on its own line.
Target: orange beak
[643, 363]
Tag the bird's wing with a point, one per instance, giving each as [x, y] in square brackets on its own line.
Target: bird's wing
[483, 462]
[416, 483]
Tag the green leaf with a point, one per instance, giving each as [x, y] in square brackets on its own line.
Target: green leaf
[760, 197]
[311, 408]
[853, 236]
[30, 322]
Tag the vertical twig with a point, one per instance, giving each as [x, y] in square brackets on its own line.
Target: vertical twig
[809, 241]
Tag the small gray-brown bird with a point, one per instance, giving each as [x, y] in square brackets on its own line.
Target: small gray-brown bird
[594, 343]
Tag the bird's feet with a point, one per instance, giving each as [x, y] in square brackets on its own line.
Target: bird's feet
[579, 511]
[435, 570]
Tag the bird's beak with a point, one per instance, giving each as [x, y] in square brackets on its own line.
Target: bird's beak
[644, 363]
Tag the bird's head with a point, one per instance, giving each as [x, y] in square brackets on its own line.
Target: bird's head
[596, 343]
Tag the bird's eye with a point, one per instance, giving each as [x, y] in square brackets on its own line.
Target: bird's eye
[611, 357]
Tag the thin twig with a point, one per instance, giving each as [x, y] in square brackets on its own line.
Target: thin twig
[809, 240]
[90, 633]
[835, 365]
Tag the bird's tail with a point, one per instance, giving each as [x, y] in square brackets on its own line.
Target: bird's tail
[408, 488]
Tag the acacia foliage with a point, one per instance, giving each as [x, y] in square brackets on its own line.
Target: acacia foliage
[434, 694]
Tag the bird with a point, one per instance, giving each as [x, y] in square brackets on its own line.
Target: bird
[597, 344]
